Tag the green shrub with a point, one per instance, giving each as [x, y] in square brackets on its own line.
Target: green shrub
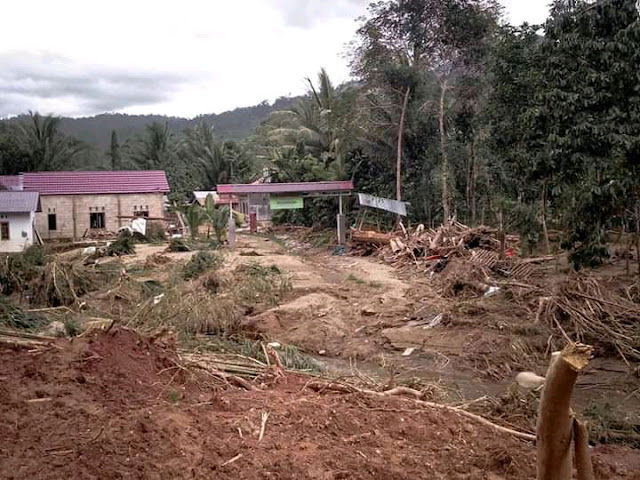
[13, 317]
[200, 263]
[178, 245]
[19, 269]
[72, 327]
[124, 245]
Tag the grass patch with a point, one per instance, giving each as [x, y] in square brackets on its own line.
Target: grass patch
[213, 304]
[174, 397]
[178, 245]
[15, 318]
[374, 284]
[292, 358]
[72, 327]
[200, 263]
[278, 241]
[355, 279]
[260, 284]
[610, 424]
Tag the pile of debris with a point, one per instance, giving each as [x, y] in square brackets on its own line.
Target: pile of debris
[424, 245]
[590, 309]
[427, 247]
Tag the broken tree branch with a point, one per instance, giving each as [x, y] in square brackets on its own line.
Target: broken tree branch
[402, 392]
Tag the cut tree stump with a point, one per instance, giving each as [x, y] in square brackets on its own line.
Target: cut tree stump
[555, 418]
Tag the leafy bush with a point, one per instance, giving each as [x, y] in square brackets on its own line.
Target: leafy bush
[17, 270]
[200, 263]
[124, 245]
[178, 245]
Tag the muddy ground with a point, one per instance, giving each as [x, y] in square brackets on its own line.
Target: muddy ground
[358, 314]
[114, 405]
[117, 405]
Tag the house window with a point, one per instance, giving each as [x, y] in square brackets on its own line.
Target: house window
[53, 221]
[4, 231]
[96, 220]
[141, 211]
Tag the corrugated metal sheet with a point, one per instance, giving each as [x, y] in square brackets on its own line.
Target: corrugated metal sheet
[19, 202]
[302, 187]
[11, 182]
[87, 183]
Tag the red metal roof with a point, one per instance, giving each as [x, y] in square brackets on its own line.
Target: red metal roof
[302, 187]
[10, 182]
[100, 182]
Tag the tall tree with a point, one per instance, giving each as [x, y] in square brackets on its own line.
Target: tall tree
[203, 150]
[387, 56]
[589, 115]
[114, 152]
[405, 40]
[47, 147]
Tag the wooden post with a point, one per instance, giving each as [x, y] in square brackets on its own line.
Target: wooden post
[232, 227]
[547, 244]
[119, 212]
[73, 216]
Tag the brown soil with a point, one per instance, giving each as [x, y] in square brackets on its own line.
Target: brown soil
[113, 405]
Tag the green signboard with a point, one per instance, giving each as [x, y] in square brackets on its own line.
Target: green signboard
[286, 203]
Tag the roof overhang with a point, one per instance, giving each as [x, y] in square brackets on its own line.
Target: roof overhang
[299, 188]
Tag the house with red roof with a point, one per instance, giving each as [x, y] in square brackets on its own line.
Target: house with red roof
[77, 204]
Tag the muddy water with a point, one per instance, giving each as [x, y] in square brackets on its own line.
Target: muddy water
[462, 384]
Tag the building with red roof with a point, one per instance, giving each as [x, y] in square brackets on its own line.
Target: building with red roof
[76, 204]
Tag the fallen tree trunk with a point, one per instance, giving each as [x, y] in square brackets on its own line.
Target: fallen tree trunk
[370, 236]
[555, 418]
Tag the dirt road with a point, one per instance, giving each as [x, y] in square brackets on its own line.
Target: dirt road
[355, 313]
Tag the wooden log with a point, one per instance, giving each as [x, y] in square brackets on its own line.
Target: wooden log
[555, 419]
[371, 236]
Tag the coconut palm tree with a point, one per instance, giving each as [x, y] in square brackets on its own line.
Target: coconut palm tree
[195, 216]
[47, 147]
[208, 154]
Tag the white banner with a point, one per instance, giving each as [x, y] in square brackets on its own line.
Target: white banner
[386, 204]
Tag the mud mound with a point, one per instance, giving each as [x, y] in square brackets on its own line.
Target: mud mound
[113, 406]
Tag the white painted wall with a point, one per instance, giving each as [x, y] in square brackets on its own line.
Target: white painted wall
[20, 231]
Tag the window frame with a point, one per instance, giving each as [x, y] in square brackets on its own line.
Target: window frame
[53, 216]
[4, 225]
[97, 216]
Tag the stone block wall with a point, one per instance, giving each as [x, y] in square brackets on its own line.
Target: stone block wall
[73, 212]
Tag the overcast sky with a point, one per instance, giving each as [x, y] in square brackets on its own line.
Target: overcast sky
[188, 57]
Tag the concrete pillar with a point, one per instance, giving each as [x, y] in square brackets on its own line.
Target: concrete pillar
[342, 224]
[342, 229]
[232, 228]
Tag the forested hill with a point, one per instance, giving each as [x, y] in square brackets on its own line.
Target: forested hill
[233, 125]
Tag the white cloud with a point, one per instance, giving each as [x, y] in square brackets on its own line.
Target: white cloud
[78, 57]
